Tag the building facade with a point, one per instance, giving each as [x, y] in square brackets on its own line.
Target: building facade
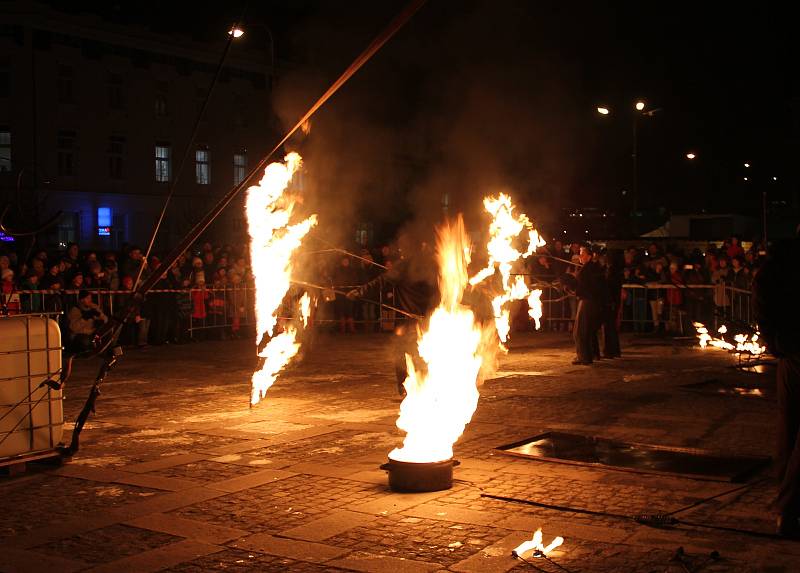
[95, 119]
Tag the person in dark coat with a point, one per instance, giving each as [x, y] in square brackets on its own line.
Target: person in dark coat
[611, 307]
[777, 310]
[588, 292]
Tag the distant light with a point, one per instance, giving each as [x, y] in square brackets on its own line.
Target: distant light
[624, 192]
[565, 232]
[690, 156]
[236, 32]
[580, 214]
[747, 165]
[603, 110]
[587, 231]
[640, 105]
[745, 179]
[774, 178]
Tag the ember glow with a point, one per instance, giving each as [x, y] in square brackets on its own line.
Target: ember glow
[535, 545]
[273, 240]
[742, 343]
[441, 399]
[505, 229]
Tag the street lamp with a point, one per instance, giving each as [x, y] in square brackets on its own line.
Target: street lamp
[238, 32]
[639, 105]
[747, 165]
[603, 110]
[690, 155]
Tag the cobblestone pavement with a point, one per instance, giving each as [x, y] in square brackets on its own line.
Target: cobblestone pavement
[177, 473]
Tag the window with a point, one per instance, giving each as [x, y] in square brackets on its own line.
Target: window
[64, 86]
[104, 221]
[116, 97]
[239, 167]
[116, 151]
[163, 157]
[161, 105]
[66, 153]
[201, 168]
[5, 149]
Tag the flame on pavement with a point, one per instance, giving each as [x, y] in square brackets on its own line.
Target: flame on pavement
[273, 240]
[536, 546]
[742, 343]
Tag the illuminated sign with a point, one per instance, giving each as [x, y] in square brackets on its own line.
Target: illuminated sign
[104, 231]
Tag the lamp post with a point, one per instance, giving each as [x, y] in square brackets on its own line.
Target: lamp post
[639, 107]
[238, 32]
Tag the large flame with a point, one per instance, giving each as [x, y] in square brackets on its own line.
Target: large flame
[273, 240]
[440, 401]
[744, 344]
[504, 230]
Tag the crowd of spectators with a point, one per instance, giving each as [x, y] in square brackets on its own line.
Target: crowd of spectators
[206, 286]
[695, 283]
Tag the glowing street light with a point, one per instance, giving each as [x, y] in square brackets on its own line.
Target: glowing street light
[690, 155]
[639, 105]
[774, 178]
[603, 110]
[745, 179]
[747, 165]
[236, 32]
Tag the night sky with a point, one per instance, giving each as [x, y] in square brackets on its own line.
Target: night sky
[504, 94]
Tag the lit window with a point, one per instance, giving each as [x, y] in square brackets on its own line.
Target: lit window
[163, 158]
[5, 149]
[239, 167]
[201, 168]
[64, 86]
[66, 153]
[116, 150]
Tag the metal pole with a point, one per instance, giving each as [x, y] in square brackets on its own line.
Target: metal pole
[635, 178]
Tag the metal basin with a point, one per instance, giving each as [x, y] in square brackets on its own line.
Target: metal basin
[420, 477]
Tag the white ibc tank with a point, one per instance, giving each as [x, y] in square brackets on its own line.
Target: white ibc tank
[30, 352]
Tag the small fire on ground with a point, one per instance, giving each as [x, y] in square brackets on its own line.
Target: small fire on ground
[742, 343]
[536, 547]
[442, 394]
[273, 240]
[505, 229]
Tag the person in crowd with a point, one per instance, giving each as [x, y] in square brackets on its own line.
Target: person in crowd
[131, 264]
[72, 254]
[366, 271]
[127, 336]
[720, 280]
[9, 297]
[83, 321]
[778, 313]
[612, 274]
[655, 295]
[697, 299]
[199, 296]
[345, 278]
[31, 301]
[734, 249]
[675, 297]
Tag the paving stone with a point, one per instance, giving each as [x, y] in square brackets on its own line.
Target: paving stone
[360, 561]
[13, 560]
[239, 561]
[106, 544]
[158, 559]
[165, 462]
[332, 524]
[291, 548]
[196, 530]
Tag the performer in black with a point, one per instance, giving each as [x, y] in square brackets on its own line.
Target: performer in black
[588, 291]
[778, 313]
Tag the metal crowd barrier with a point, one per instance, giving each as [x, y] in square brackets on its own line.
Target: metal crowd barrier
[644, 307]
